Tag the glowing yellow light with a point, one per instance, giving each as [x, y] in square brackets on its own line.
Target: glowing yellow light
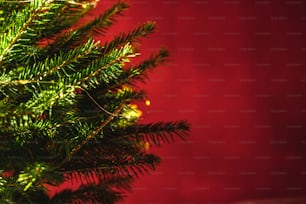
[148, 102]
[125, 89]
[146, 146]
[133, 113]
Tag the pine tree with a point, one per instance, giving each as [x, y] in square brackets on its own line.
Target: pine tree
[67, 104]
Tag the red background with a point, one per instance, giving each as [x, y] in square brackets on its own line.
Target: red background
[237, 74]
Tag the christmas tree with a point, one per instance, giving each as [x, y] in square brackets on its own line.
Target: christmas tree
[67, 104]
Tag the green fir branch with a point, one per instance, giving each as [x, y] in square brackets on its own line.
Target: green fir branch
[25, 31]
[156, 133]
[91, 135]
[124, 38]
[139, 72]
[113, 166]
[76, 37]
[63, 63]
[100, 24]
[66, 16]
[106, 68]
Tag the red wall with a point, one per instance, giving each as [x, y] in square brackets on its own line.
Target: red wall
[237, 74]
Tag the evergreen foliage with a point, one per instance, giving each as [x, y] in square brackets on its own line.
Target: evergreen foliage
[66, 104]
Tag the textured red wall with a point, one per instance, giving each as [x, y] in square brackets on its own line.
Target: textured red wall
[237, 73]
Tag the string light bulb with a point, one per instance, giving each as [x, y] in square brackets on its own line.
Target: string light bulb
[147, 102]
[146, 146]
